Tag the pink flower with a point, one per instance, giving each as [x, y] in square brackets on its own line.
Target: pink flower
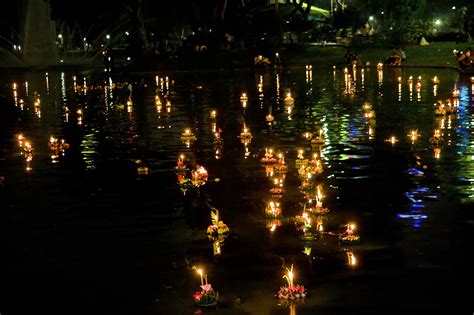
[197, 296]
[206, 287]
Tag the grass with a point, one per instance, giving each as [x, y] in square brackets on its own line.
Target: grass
[434, 55]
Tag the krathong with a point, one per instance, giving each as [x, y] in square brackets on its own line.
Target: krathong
[273, 209]
[217, 228]
[188, 135]
[207, 297]
[349, 237]
[268, 158]
[199, 176]
[319, 139]
[290, 291]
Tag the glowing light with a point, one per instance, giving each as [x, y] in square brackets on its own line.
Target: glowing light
[351, 259]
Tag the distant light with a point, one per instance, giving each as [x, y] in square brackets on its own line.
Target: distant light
[84, 39]
[60, 36]
[454, 8]
[438, 22]
[210, 30]
[14, 47]
[62, 61]
[371, 18]
[382, 13]
[128, 58]
[107, 36]
[19, 47]
[127, 33]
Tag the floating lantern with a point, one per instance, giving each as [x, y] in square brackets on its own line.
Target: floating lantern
[440, 109]
[188, 135]
[269, 118]
[273, 209]
[245, 136]
[435, 80]
[168, 106]
[268, 158]
[436, 138]
[142, 169]
[207, 297]
[455, 92]
[278, 189]
[392, 140]
[213, 114]
[291, 291]
[413, 135]
[319, 139]
[300, 161]
[349, 237]
[289, 100]
[244, 99]
[180, 166]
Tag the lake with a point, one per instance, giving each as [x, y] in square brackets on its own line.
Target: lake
[98, 219]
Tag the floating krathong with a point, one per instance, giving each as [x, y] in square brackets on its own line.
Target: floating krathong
[278, 189]
[56, 145]
[199, 176]
[300, 161]
[309, 233]
[246, 136]
[349, 237]
[319, 139]
[435, 80]
[180, 165]
[268, 158]
[436, 138]
[440, 109]
[392, 140]
[244, 99]
[188, 135]
[289, 100]
[207, 297]
[290, 291]
[413, 135]
[217, 228]
[273, 209]
[280, 167]
[142, 169]
[213, 114]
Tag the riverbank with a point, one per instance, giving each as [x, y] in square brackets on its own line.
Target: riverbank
[433, 55]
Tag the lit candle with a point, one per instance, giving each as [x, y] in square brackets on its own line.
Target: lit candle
[199, 271]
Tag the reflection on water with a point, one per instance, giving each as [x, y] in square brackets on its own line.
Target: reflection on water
[292, 156]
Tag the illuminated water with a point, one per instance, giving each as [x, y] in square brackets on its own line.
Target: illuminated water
[85, 231]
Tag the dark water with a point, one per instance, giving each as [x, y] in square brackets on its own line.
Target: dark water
[85, 232]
